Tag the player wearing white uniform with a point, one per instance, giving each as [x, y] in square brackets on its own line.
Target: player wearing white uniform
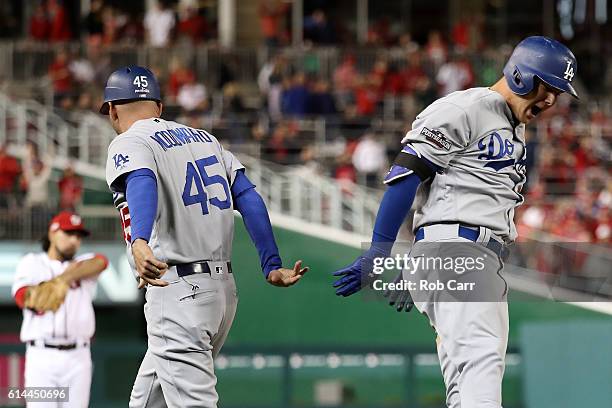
[57, 338]
[464, 161]
[175, 188]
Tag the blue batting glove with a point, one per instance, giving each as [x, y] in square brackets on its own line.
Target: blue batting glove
[400, 299]
[357, 275]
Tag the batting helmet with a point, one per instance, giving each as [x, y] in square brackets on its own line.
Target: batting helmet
[542, 57]
[129, 84]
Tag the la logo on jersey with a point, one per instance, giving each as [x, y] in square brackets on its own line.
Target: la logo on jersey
[120, 161]
[569, 71]
[496, 149]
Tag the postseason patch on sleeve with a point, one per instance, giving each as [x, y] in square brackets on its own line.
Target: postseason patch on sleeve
[436, 138]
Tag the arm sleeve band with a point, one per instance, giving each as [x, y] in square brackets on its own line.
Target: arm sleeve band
[255, 216]
[141, 195]
[394, 207]
[410, 159]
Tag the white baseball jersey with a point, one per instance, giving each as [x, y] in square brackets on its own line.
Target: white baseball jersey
[473, 136]
[74, 320]
[195, 219]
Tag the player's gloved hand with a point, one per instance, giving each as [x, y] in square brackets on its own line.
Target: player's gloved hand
[47, 296]
[357, 275]
[400, 299]
[284, 277]
[149, 268]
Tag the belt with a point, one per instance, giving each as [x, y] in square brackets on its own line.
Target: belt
[472, 234]
[69, 346]
[207, 267]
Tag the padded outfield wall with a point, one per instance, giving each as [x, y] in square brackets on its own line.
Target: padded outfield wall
[308, 315]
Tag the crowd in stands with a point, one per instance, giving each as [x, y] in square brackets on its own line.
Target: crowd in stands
[367, 104]
[24, 190]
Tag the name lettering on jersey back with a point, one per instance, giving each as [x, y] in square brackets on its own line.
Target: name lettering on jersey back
[170, 138]
[496, 149]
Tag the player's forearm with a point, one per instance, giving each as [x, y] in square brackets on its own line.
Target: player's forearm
[85, 269]
[394, 208]
[141, 196]
[257, 222]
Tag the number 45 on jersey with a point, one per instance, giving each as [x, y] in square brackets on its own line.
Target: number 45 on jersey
[196, 176]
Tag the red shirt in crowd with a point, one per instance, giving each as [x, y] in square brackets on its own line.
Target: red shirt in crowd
[194, 27]
[60, 75]
[9, 171]
[39, 25]
[70, 189]
[59, 24]
[178, 78]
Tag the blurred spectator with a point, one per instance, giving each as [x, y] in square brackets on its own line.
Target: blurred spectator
[366, 95]
[179, 75]
[460, 34]
[232, 99]
[407, 44]
[110, 25]
[70, 190]
[466, 33]
[93, 24]
[9, 23]
[100, 61]
[320, 99]
[192, 24]
[9, 174]
[455, 75]
[82, 70]
[228, 72]
[344, 172]
[39, 23]
[435, 48]
[192, 96]
[393, 83]
[318, 29]
[132, 31]
[159, 23]
[271, 15]
[276, 147]
[345, 76]
[378, 76]
[36, 172]
[60, 75]
[370, 160]
[59, 28]
[295, 96]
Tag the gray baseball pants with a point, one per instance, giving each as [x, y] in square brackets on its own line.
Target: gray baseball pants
[187, 324]
[472, 326]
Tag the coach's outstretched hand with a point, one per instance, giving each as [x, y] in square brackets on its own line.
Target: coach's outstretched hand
[149, 268]
[284, 277]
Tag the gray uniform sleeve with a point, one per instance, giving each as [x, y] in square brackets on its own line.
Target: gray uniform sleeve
[125, 154]
[439, 133]
[232, 165]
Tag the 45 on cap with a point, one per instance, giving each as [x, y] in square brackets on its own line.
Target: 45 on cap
[130, 84]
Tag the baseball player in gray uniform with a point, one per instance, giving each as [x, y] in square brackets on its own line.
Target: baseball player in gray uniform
[463, 165]
[176, 188]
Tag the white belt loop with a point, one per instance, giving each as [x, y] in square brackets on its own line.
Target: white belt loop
[484, 235]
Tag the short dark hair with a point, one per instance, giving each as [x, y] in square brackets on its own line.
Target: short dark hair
[46, 243]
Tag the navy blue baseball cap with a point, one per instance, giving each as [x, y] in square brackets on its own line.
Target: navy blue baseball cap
[129, 84]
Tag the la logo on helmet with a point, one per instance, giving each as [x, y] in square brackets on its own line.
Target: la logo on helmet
[569, 71]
